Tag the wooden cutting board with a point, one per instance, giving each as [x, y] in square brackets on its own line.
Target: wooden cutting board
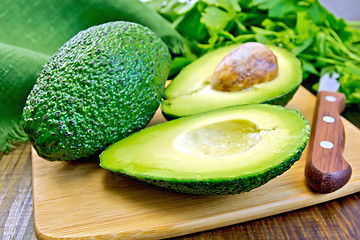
[82, 200]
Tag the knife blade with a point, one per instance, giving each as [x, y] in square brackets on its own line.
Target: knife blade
[326, 170]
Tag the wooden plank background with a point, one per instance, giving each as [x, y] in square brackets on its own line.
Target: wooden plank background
[337, 219]
[67, 196]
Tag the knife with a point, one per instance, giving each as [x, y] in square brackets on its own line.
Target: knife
[326, 170]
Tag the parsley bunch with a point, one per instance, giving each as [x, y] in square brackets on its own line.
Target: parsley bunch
[322, 42]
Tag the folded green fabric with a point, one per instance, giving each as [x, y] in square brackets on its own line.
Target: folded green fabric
[19, 68]
[31, 31]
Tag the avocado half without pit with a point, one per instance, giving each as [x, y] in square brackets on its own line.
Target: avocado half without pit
[233, 75]
[227, 151]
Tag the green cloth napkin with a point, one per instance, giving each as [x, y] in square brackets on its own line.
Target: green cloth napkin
[31, 31]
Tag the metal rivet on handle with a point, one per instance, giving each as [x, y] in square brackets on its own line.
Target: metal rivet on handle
[328, 119]
[326, 144]
[330, 98]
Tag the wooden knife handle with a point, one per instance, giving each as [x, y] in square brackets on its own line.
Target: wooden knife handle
[326, 169]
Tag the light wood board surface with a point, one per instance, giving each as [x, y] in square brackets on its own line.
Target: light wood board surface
[81, 200]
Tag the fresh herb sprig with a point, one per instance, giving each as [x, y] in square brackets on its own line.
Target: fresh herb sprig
[322, 42]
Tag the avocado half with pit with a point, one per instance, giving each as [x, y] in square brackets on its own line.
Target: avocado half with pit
[190, 92]
[227, 151]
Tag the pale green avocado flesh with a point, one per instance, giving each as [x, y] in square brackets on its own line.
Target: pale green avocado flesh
[227, 151]
[190, 91]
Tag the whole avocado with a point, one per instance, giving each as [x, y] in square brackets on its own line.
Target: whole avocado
[102, 85]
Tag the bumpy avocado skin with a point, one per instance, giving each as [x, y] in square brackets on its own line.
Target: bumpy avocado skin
[226, 186]
[230, 186]
[102, 85]
[282, 100]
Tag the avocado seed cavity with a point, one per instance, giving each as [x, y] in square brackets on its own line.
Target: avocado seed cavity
[248, 64]
[220, 139]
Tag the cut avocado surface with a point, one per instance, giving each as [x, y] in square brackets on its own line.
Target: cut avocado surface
[227, 151]
[190, 92]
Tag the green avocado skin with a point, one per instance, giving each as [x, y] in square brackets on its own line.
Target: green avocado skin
[221, 185]
[282, 100]
[101, 86]
[230, 186]
[224, 186]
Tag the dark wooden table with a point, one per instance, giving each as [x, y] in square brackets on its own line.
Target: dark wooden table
[337, 219]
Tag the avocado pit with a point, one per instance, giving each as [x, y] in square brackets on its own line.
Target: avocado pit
[248, 64]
